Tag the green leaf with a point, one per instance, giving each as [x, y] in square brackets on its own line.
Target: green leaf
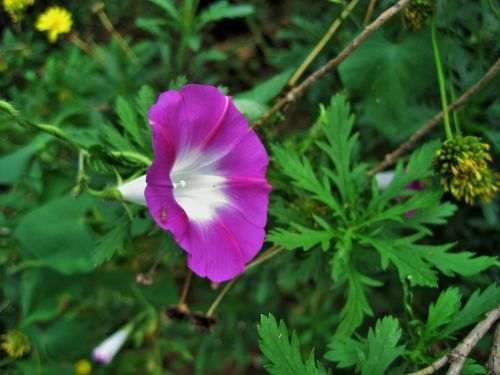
[284, 353]
[373, 355]
[356, 306]
[128, 119]
[222, 10]
[44, 293]
[344, 350]
[337, 122]
[13, 165]
[301, 173]
[418, 167]
[145, 100]
[475, 308]
[251, 109]
[383, 73]
[111, 242]
[464, 263]
[305, 238]
[55, 234]
[169, 7]
[441, 313]
[266, 91]
[407, 256]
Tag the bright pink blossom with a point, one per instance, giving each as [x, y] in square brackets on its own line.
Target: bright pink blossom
[207, 183]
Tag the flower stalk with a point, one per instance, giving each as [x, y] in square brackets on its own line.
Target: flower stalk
[322, 43]
[440, 75]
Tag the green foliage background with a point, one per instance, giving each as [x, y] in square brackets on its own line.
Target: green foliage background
[373, 291]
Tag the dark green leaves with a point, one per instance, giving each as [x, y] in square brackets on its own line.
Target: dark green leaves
[371, 355]
[55, 235]
[389, 76]
[221, 10]
[284, 353]
[447, 315]
[112, 241]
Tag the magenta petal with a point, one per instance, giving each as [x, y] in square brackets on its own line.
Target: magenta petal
[213, 252]
[207, 183]
[250, 200]
[247, 159]
[165, 210]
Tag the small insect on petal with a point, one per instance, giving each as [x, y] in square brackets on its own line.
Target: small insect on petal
[163, 215]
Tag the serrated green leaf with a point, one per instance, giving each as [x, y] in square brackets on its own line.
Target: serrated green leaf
[356, 306]
[337, 122]
[111, 242]
[304, 238]
[301, 173]
[370, 356]
[464, 263]
[284, 353]
[407, 256]
[145, 100]
[418, 167]
[475, 308]
[345, 351]
[381, 347]
[441, 313]
[128, 119]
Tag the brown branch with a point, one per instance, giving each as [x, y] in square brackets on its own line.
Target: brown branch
[457, 356]
[406, 146]
[297, 92]
[493, 364]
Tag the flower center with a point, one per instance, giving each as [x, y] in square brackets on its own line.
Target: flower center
[198, 187]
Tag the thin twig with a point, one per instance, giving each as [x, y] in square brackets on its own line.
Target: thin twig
[369, 12]
[297, 92]
[406, 146]
[322, 43]
[99, 9]
[185, 288]
[493, 364]
[219, 298]
[457, 356]
[271, 252]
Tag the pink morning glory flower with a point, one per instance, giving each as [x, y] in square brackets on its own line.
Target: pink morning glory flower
[107, 349]
[207, 183]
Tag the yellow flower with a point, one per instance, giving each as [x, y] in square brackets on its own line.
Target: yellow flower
[55, 20]
[462, 163]
[15, 343]
[16, 7]
[83, 367]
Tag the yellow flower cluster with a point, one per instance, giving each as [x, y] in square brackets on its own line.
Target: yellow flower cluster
[55, 20]
[462, 163]
[15, 8]
[417, 12]
[15, 343]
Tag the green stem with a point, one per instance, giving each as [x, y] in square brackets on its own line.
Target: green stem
[110, 193]
[132, 156]
[442, 89]
[49, 129]
[493, 9]
[456, 123]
